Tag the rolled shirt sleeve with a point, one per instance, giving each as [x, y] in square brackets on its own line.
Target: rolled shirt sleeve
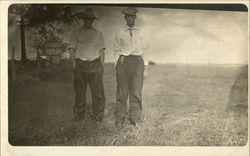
[102, 43]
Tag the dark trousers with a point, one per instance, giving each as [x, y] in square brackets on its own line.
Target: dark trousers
[129, 73]
[89, 73]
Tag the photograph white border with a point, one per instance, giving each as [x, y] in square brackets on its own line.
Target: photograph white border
[9, 150]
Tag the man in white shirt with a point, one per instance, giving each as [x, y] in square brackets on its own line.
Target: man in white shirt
[129, 49]
[87, 57]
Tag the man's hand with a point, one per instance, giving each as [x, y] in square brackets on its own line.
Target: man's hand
[145, 76]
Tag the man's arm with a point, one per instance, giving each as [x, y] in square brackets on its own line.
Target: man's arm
[145, 75]
[145, 56]
[72, 57]
[72, 48]
[145, 59]
[102, 55]
[117, 47]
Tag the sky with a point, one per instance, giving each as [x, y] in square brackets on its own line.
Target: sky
[175, 35]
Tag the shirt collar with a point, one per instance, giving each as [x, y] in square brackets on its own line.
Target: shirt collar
[90, 29]
[128, 28]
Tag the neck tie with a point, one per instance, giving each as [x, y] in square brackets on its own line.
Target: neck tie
[130, 31]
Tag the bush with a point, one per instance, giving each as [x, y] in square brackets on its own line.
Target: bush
[151, 63]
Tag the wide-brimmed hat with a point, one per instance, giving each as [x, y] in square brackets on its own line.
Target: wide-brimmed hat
[87, 13]
[130, 11]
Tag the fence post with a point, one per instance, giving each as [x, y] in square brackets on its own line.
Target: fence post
[38, 58]
[38, 61]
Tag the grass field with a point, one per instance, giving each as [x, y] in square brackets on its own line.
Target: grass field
[183, 105]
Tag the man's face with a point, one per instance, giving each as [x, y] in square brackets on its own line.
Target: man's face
[88, 22]
[130, 19]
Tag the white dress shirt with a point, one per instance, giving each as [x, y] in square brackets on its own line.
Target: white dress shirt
[130, 41]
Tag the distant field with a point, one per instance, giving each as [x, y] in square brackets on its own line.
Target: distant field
[183, 105]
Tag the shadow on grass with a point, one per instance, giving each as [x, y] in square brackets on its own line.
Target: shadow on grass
[239, 91]
[238, 109]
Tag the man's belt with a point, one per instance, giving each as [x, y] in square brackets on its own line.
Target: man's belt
[131, 55]
[87, 61]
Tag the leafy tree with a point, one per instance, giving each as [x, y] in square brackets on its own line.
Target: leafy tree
[36, 15]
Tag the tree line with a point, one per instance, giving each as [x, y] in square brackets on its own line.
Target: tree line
[38, 16]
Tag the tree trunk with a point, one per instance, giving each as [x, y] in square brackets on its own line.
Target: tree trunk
[38, 60]
[22, 29]
[13, 64]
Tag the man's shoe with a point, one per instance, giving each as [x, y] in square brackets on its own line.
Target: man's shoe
[78, 118]
[119, 125]
[136, 125]
[119, 121]
[97, 118]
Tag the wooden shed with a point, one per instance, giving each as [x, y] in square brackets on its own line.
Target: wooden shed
[52, 53]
